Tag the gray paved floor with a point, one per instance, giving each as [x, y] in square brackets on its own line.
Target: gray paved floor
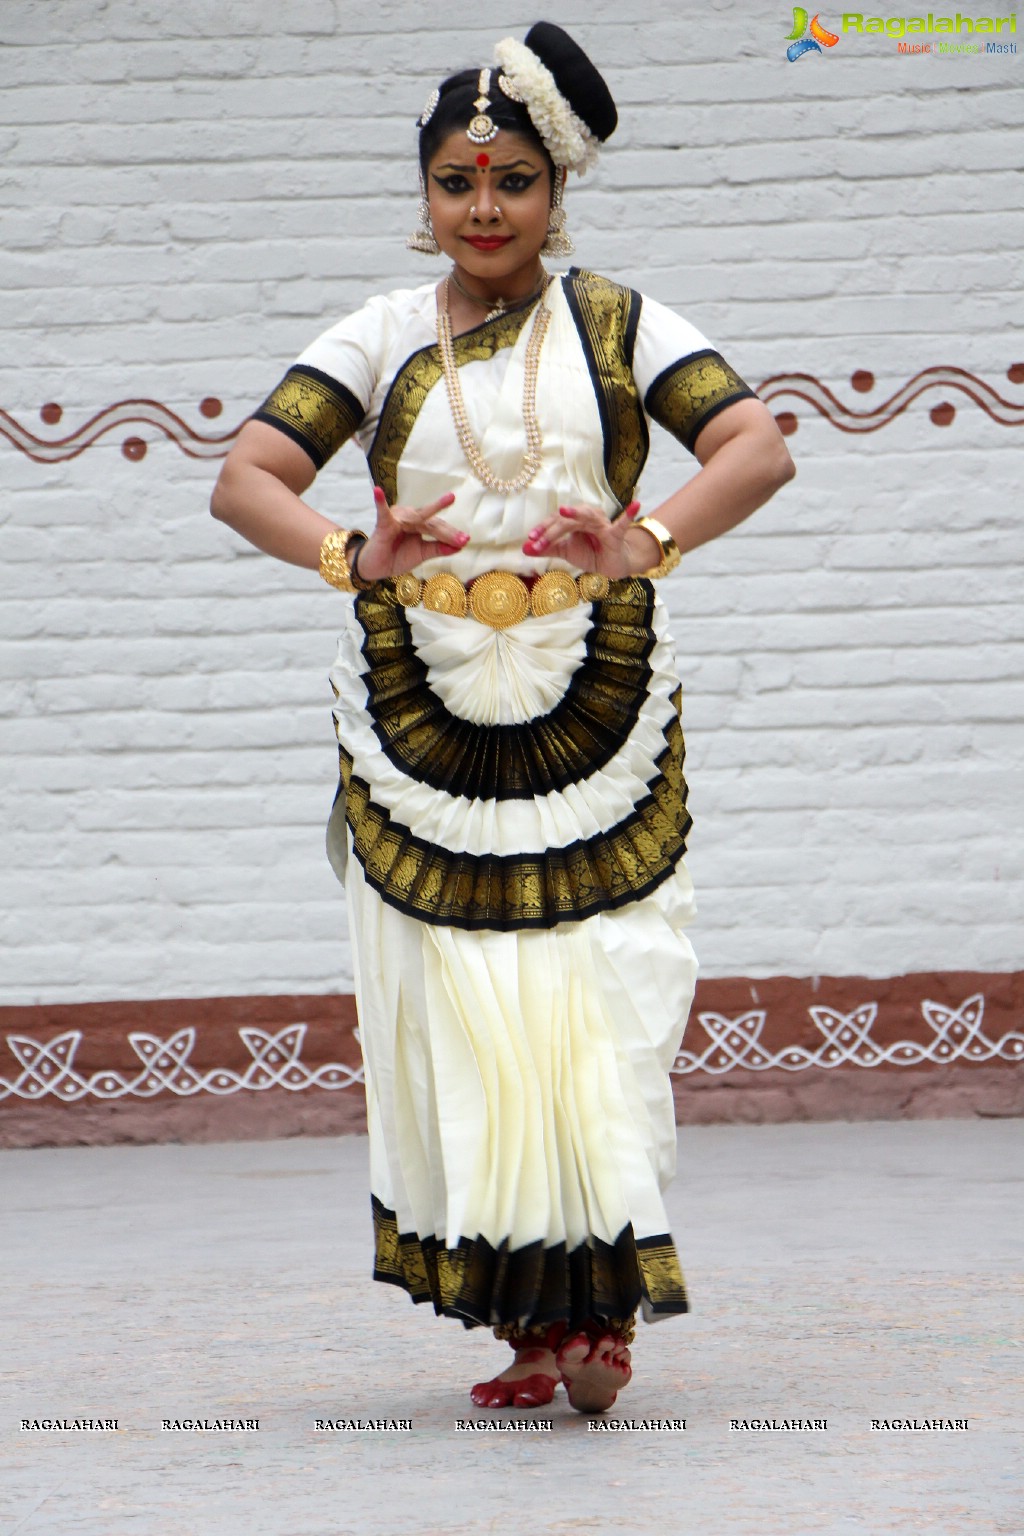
[845, 1272]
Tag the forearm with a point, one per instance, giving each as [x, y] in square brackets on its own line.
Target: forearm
[256, 504]
[731, 485]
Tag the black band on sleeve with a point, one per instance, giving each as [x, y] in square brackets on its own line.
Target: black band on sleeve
[312, 409]
[685, 396]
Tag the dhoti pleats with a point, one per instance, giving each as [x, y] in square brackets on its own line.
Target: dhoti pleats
[517, 1055]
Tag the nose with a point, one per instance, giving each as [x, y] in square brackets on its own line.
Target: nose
[485, 210]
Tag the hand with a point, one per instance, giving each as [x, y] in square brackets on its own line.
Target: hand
[399, 540]
[587, 538]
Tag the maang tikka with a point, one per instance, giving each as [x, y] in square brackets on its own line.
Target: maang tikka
[482, 127]
[557, 242]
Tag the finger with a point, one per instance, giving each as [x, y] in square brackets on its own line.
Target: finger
[439, 529]
[438, 505]
[632, 510]
[538, 539]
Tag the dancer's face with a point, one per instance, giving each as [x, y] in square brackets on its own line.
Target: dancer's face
[489, 204]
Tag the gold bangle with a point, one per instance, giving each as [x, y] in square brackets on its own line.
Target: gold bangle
[670, 554]
[334, 561]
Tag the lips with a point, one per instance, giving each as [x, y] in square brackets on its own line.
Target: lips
[488, 242]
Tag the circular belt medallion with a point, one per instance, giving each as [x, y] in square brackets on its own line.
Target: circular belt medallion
[554, 591]
[499, 599]
[444, 593]
[593, 586]
[408, 590]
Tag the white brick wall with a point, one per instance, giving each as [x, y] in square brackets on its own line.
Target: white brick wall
[190, 193]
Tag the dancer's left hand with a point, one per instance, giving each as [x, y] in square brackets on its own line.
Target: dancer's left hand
[587, 538]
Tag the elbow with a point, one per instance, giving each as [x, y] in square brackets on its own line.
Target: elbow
[782, 468]
[220, 501]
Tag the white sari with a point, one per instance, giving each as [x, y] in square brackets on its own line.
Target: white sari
[510, 829]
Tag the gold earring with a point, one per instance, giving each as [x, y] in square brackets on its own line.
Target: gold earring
[557, 242]
[423, 239]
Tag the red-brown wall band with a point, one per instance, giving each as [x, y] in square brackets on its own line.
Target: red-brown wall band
[846, 1047]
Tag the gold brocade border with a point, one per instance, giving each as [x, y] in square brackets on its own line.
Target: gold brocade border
[414, 381]
[487, 1286]
[686, 395]
[314, 410]
[532, 890]
[606, 317]
[578, 737]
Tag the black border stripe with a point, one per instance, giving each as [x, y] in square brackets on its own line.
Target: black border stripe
[507, 892]
[586, 728]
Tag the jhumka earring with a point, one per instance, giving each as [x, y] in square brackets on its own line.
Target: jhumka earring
[424, 239]
[557, 242]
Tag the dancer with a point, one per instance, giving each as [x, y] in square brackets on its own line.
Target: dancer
[511, 815]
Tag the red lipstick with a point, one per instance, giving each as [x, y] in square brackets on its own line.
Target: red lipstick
[488, 242]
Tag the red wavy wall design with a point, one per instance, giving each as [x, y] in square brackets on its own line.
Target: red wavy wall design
[781, 388]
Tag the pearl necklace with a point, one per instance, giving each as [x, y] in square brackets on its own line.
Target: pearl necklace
[499, 307]
[534, 443]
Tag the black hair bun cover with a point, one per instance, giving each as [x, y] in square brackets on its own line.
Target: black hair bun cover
[576, 78]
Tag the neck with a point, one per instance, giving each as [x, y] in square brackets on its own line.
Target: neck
[513, 287]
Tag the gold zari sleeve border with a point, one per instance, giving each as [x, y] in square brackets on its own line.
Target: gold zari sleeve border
[686, 395]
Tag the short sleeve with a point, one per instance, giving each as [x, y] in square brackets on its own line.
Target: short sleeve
[324, 396]
[682, 380]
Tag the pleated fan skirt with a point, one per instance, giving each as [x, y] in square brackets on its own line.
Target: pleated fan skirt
[510, 826]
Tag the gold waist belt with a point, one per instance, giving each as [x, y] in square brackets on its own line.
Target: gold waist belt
[500, 598]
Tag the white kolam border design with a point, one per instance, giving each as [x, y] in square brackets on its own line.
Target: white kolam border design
[957, 1036]
[48, 1069]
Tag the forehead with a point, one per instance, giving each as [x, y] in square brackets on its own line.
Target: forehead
[505, 149]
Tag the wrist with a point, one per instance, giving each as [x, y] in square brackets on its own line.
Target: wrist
[642, 549]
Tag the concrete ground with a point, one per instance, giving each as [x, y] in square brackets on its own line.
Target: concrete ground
[843, 1272]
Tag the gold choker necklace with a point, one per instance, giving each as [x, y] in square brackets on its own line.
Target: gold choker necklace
[534, 443]
[498, 307]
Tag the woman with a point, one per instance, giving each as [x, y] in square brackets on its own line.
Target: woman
[511, 817]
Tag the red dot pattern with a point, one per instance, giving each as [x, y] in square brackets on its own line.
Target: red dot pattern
[52, 413]
[210, 407]
[786, 423]
[133, 448]
[862, 381]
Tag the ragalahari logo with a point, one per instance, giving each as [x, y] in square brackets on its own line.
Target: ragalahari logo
[799, 43]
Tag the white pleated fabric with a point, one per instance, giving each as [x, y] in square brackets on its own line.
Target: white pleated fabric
[517, 1079]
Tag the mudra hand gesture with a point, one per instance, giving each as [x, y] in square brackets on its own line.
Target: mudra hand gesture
[588, 539]
[405, 536]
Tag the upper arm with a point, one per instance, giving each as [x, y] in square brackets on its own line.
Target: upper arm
[749, 419]
[261, 446]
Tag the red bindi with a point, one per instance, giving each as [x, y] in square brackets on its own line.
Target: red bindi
[483, 160]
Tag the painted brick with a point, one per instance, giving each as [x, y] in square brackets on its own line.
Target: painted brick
[192, 194]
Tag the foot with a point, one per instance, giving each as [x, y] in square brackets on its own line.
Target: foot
[529, 1382]
[594, 1370]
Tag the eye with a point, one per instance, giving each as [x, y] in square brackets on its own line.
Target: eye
[453, 184]
[518, 181]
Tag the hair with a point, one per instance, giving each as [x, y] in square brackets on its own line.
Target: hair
[575, 76]
[455, 109]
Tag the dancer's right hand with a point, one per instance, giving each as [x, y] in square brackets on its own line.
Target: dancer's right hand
[406, 536]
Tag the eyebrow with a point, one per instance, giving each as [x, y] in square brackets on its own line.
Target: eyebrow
[509, 167]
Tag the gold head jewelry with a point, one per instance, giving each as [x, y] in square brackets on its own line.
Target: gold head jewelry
[557, 241]
[482, 127]
[423, 239]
